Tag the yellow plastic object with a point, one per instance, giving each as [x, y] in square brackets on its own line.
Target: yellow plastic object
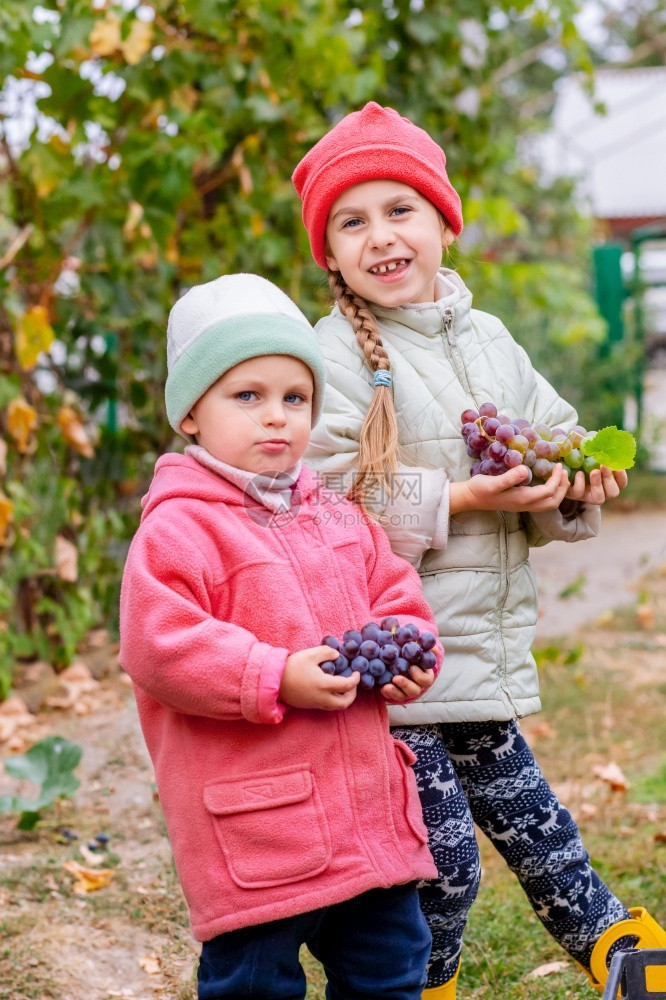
[445, 992]
[641, 926]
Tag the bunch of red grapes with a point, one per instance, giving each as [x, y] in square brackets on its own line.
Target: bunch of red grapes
[380, 652]
[497, 443]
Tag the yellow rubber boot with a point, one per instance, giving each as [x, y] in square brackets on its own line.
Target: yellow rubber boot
[445, 992]
[641, 926]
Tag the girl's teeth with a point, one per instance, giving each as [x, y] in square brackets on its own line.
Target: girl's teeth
[383, 268]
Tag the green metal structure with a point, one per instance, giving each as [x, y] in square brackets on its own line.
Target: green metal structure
[613, 289]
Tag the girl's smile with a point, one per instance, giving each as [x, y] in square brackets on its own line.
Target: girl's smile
[392, 270]
[386, 239]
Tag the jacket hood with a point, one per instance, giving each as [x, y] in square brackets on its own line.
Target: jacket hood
[182, 477]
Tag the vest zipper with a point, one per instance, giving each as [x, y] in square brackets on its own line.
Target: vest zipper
[459, 368]
[456, 359]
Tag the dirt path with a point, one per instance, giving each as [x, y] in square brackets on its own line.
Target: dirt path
[579, 582]
[131, 938]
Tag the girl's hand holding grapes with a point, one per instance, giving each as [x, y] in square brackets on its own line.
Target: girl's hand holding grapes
[604, 485]
[305, 685]
[506, 493]
[404, 688]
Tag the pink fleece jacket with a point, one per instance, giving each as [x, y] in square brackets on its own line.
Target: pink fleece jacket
[271, 811]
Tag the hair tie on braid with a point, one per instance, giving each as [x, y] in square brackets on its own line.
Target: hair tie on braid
[383, 377]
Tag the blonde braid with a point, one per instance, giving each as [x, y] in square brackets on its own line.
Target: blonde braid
[378, 445]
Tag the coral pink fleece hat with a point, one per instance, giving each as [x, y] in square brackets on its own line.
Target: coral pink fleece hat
[372, 144]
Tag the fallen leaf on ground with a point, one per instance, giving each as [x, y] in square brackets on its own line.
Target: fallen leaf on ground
[150, 964]
[90, 857]
[53, 886]
[13, 713]
[73, 682]
[548, 969]
[541, 731]
[613, 776]
[19, 729]
[645, 615]
[660, 838]
[605, 618]
[88, 879]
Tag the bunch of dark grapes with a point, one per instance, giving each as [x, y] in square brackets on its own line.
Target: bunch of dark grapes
[380, 652]
[498, 443]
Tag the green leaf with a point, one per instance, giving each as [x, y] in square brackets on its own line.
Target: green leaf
[573, 589]
[28, 820]
[49, 764]
[611, 447]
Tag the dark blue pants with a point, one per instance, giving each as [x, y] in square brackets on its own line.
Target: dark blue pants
[485, 772]
[374, 945]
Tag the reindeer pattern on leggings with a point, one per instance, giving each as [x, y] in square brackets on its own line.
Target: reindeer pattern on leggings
[485, 773]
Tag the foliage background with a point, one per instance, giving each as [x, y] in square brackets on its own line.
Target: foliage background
[148, 147]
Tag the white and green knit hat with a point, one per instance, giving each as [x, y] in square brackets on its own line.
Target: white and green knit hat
[217, 325]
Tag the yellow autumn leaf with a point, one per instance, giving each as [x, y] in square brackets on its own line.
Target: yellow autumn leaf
[105, 36]
[134, 216]
[6, 517]
[21, 422]
[34, 335]
[138, 42]
[184, 98]
[74, 432]
[88, 879]
[171, 254]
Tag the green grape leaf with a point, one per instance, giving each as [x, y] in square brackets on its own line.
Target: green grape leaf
[611, 447]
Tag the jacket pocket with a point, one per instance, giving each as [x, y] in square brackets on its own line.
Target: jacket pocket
[271, 826]
[413, 811]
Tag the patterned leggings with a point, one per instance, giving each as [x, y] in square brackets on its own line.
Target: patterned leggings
[484, 772]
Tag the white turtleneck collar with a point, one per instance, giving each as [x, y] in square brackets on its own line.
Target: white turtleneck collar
[273, 492]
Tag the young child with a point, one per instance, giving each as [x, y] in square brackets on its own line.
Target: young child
[406, 353]
[293, 815]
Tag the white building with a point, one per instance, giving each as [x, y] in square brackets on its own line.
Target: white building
[614, 143]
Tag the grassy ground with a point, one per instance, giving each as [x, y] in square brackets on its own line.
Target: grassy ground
[604, 697]
[604, 700]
